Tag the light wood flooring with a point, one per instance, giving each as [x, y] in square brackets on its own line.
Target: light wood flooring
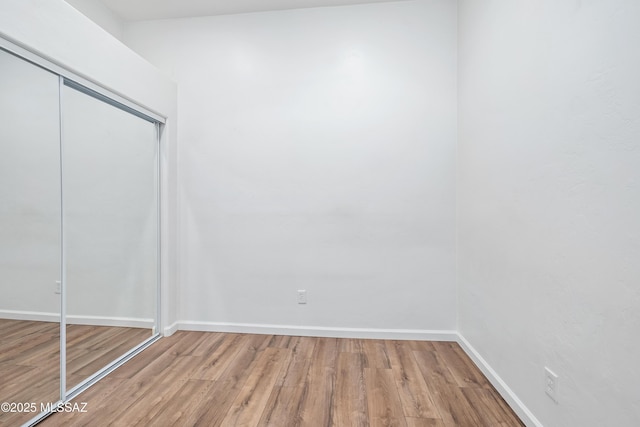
[30, 359]
[215, 379]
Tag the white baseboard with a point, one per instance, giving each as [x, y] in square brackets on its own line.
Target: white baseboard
[33, 316]
[507, 394]
[125, 322]
[313, 331]
[171, 329]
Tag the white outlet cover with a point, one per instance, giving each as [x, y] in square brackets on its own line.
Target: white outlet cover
[551, 384]
[302, 296]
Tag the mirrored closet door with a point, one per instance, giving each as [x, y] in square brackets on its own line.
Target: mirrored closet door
[111, 231]
[79, 233]
[29, 238]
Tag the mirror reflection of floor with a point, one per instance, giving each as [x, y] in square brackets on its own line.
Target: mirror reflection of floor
[30, 359]
[91, 348]
[29, 366]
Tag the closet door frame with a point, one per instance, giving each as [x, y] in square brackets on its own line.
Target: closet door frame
[80, 81]
[75, 81]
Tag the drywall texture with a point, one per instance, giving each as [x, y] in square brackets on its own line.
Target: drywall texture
[101, 15]
[549, 201]
[317, 152]
[55, 30]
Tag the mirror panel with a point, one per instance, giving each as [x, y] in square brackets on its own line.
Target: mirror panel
[29, 238]
[111, 232]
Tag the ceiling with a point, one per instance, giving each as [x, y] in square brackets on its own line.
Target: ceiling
[141, 10]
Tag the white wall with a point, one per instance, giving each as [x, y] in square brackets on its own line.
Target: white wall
[317, 152]
[101, 15]
[549, 202]
[55, 30]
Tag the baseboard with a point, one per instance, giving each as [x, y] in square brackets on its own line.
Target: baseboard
[33, 316]
[124, 322]
[171, 329]
[313, 331]
[507, 394]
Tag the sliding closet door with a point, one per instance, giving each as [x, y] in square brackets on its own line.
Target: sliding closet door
[110, 159]
[29, 239]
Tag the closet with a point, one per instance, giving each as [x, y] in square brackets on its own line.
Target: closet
[79, 234]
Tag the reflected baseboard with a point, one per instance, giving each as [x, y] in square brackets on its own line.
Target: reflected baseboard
[33, 316]
[125, 322]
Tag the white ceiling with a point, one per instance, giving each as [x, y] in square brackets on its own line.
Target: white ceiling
[140, 10]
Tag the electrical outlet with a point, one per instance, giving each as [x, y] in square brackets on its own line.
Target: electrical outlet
[551, 384]
[58, 287]
[302, 296]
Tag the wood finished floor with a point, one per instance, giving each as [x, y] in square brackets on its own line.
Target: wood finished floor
[214, 379]
[30, 359]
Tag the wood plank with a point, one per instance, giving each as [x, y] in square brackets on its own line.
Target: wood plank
[147, 406]
[383, 401]
[133, 394]
[223, 353]
[100, 357]
[490, 407]
[421, 345]
[287, 403]
[248, 406]
[461, 367]
[349, 400]
[316, 405]
[182, 405]
[348, 345]
[280, 341]
[433, 368]
[161, 351]
[91, 397]
[207, 343]
[455, 409]
[22, 331]
[424, 422]
[295, 373]
[325, 353]
[414, 393]
[212, 410]
[377, 356]
[440, 381]
[284, 406]
[18, 349]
